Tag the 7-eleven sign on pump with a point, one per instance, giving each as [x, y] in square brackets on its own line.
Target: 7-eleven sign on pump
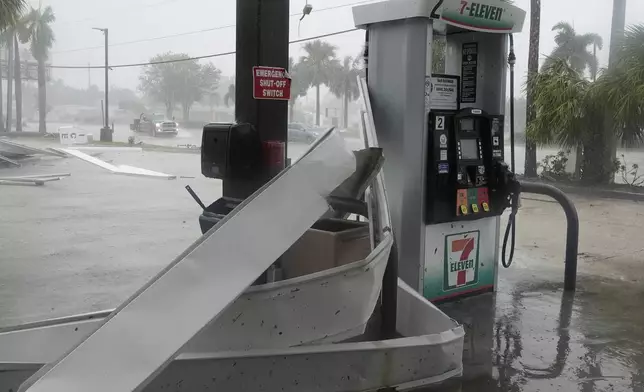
[461, 260]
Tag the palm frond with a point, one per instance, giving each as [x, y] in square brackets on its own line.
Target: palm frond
[592, 39]
[621, 87]
[560, 96]
[10, 11]
[565, 33]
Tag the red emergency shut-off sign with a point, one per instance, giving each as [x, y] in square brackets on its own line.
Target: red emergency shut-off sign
[271, 83]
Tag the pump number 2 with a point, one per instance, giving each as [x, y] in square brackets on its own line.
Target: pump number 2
[434, 14]
[440, 123]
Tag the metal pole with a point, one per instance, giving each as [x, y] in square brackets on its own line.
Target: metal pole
[262, 39]
[572, 234]
[107, 85]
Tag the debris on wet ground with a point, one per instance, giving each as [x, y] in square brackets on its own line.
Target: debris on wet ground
[14, 154]
[116, 169]
[34, 179]
[536, 338]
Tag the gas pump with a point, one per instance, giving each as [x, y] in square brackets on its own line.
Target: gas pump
[443, 139]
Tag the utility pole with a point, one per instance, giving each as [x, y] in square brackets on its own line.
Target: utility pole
[10, 70]
[617, 33]
[106, 131]
[262, 40]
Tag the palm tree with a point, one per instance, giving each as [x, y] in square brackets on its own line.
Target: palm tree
[345, 84]
[230, 95]
[616, 35]
[18, 81]
[530, 169]
[320, 62]
[572, 109]
[300, 83]
[39, 34]
[621, 87]
[3, 43]
[573, 48]
[10, 11]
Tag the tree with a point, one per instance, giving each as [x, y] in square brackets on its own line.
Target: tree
[573, 48]
[175, 78]
[4, 35]
[530, 169]
[8, 33]
[618, 25]
[230, 95]
[569, 115]
[320, 62]
[620, 88]
[199, 81]
[344, 84]
[573, 110]
[18, 82]
[299, 84]
[38, 32]
[10, 12]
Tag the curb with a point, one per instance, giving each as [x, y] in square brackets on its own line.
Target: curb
[590, 191]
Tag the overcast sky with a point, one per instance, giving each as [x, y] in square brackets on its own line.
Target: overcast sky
[141, 20]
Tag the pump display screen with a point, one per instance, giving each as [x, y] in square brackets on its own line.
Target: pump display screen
[469, 149]
[467, 124]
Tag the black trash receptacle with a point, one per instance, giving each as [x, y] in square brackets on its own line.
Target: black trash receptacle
[216, 212]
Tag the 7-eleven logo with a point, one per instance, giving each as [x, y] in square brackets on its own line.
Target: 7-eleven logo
[461, 260]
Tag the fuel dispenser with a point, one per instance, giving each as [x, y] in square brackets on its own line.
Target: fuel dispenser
[470, 142]
[443, 135]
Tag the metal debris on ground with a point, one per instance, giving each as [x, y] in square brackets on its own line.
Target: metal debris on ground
[13, 149]
[116, 169]
[9, 161]
[35, 179]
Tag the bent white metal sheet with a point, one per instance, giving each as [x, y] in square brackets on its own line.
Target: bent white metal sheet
[116, 169]
[328, 306]
[430, 351]
[9, 147]
[145, 333]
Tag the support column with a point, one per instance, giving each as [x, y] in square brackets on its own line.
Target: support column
[262, 39]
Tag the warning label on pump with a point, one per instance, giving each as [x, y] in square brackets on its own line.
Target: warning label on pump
[271, 83]
[441, 92]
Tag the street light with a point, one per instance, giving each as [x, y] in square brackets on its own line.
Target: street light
[106, 132]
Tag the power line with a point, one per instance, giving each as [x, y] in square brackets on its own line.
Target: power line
[129, 8]
[190, 58]
[199, 31]
[146, 39]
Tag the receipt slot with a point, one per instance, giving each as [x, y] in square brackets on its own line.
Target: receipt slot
[464, 149]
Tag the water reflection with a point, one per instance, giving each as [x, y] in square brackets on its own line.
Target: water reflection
[542, 339]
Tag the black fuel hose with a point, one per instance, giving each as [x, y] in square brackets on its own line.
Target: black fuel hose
[510, 230]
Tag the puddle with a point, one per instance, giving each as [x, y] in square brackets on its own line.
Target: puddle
[537, 338]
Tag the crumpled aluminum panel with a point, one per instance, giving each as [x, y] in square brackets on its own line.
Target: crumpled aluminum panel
[145, 333]
[430, 351]
[325, 307]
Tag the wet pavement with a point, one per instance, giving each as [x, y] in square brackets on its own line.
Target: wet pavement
[89, 241]
[542, 339]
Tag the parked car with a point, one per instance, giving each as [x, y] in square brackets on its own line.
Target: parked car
[301, 133]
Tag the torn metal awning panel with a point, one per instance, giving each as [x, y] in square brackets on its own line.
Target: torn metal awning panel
[12, 148]
[116, 169]
[144, 334]
[429, 350]
[9, 160]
